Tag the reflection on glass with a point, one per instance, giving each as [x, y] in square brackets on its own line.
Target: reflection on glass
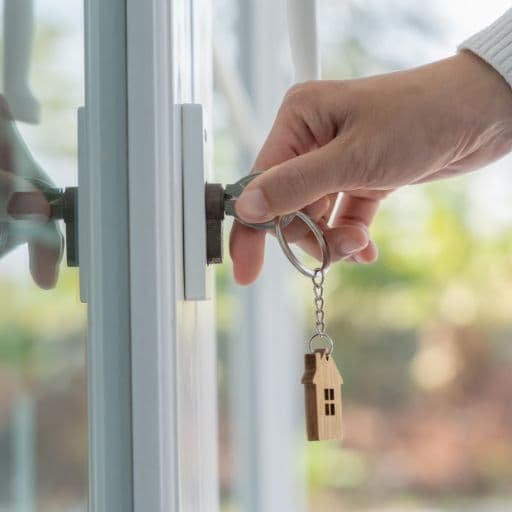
[25, 195]
[43, 408]
[18, 39]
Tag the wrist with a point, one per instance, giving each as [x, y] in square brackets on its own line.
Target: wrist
[482, 94]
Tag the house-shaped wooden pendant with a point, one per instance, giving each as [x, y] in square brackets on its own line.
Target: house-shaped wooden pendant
[322, 382]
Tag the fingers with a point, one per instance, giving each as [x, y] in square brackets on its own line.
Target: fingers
[344, 242]
[357, 209]
[349, 238]
[293, 184]
[368, 255]
[44, 261]
[349, 241]
[319, 210]
[246, 247]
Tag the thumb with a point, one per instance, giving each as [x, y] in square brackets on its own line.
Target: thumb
[294, 184]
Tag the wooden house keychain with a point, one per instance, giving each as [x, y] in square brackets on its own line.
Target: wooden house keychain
[322, 380]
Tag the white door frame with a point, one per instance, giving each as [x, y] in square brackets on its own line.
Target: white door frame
[152, 360]
[104, 255]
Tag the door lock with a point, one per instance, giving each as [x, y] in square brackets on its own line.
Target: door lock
[219, 202]
[214, 207]
[204, 206]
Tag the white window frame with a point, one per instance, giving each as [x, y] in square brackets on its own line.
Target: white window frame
[104, 255]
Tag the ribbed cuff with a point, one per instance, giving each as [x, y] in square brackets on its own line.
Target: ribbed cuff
[494, 45]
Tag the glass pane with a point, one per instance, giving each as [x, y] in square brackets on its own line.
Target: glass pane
[43, 408]
[423, 335]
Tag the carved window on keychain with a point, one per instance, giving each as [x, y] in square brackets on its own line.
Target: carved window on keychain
[330, 407]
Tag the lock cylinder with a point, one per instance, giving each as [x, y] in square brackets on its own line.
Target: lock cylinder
[214, 201]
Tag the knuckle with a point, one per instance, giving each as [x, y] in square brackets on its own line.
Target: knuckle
[299, 95]
[304, 104]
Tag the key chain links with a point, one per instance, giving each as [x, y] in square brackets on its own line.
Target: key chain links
[318, 293]
[317, 276]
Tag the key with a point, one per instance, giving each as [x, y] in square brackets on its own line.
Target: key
[234, 191]
[220, 201]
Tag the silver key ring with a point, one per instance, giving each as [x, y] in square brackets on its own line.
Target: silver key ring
[322, 336]
[319, 235]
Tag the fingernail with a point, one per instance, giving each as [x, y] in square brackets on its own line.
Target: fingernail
[252, 206]
[348, 247]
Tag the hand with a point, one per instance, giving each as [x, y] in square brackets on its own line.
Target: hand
[364, 138]
[25, 218]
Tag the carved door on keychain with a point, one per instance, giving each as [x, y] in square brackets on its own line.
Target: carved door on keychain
[123, 418]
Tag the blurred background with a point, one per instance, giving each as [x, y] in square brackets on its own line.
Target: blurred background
[422, 336]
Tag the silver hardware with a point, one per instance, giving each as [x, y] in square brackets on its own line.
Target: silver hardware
[324, 336]
[317, 275]
[319, 235]
[318, 293]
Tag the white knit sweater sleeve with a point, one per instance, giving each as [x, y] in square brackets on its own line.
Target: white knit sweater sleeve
[494, 45]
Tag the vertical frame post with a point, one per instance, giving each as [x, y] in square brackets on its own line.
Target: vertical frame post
[106, 223]
[155, 218]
